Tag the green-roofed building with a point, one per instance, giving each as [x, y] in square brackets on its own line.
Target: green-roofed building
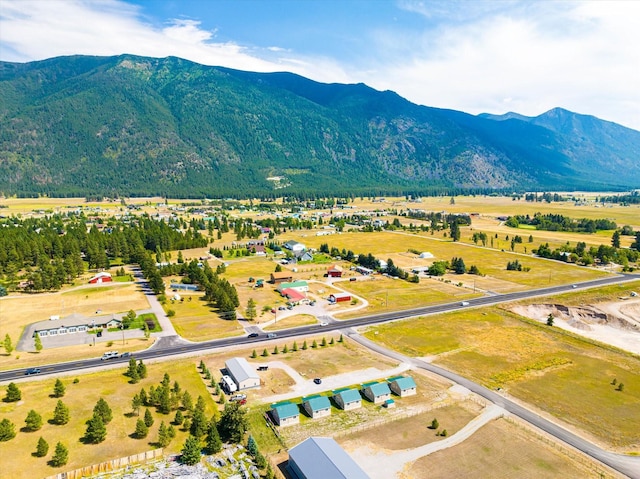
[285, 414]
[376, 392]
[317, 406]
[300, 286]
[403, 386]
[347, 399]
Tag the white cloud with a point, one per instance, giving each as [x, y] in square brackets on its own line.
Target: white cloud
[582, 56]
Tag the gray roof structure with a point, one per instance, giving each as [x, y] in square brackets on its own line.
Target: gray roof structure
[240, 369]
[322, 458]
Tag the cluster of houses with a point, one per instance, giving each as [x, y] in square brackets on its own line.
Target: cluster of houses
[316, 406]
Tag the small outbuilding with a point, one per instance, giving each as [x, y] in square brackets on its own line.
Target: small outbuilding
[281, 277]
[334, 271]
[425, 255]
[316, 406]
[285, 413]
[339, 297]
[100, 278]
[403, 386]
[376, 392]
[347, 399]
[322, 458]
[242, 373]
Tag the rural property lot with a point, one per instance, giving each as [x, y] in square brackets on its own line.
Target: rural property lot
[564, 375]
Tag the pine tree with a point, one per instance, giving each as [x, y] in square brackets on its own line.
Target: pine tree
[198, 424]
[252, 446]
[314, 345]
[8, 345]
[60, 456]
[136, 404]
[295, 346]
[96, 431]
[265, 353]
[190, 451]
[304, 345]
[187, 402]
[285, 349]
[33, 421]
[331, 342]
[324, 342]
[103, 410]
[163, 435]
[179, 418]
[144, 400]
[42, 448]
[58, 389]
[61, 413]
[7, 430]
[200, 404]
[132, 372]
[250, 312]
[142, 370]
[233, 423]
[148, 418]
[37, 342]
[340, 339]
[142, 430]
[213, 443]
[13, 393]
[254, 354]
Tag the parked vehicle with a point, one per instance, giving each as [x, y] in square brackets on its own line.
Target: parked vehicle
[317, 381]
[238, 397]
[263, 368]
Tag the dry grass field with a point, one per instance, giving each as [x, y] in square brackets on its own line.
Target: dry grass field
[18, 311]
[562, 374]
[386, 294]
[195, 320]
[17, 459]
[491, 262]
[292, 322]
[502, 450]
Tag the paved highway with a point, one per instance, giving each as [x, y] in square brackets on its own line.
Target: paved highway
[174, 345]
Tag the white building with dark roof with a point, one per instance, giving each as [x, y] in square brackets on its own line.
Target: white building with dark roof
[322, 458]
[243, 374]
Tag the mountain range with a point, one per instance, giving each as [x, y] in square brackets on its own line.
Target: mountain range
[134, 126]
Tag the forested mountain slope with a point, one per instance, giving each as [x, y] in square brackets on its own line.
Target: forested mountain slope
[130, 125]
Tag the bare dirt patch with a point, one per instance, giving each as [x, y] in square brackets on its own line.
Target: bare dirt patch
[616, 322]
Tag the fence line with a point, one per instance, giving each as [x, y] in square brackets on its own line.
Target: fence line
[109, 466]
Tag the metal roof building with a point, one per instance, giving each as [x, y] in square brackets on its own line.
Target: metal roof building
[285, 413]
[322, 458]
[242, 373]
[403, 386]
[317, 406]
[348, 399]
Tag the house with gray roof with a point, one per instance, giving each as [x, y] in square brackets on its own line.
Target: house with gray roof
[285, 414]
[322, 458]
[376, 392]
[347, 399]
[403, 386]
[74, 323]
[242, 373]
[316, 406]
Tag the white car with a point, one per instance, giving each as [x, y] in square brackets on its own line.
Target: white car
[324, 323]
[464, 303]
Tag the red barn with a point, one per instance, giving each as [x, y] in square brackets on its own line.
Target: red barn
[339, 297]
[334, 271]
[101, 278]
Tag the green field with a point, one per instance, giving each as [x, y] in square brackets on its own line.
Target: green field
[561, 373]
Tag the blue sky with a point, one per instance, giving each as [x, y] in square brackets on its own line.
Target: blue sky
[475, 56]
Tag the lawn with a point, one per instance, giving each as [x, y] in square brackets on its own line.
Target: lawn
[502, 450]
[112, 385]
[563, 374]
